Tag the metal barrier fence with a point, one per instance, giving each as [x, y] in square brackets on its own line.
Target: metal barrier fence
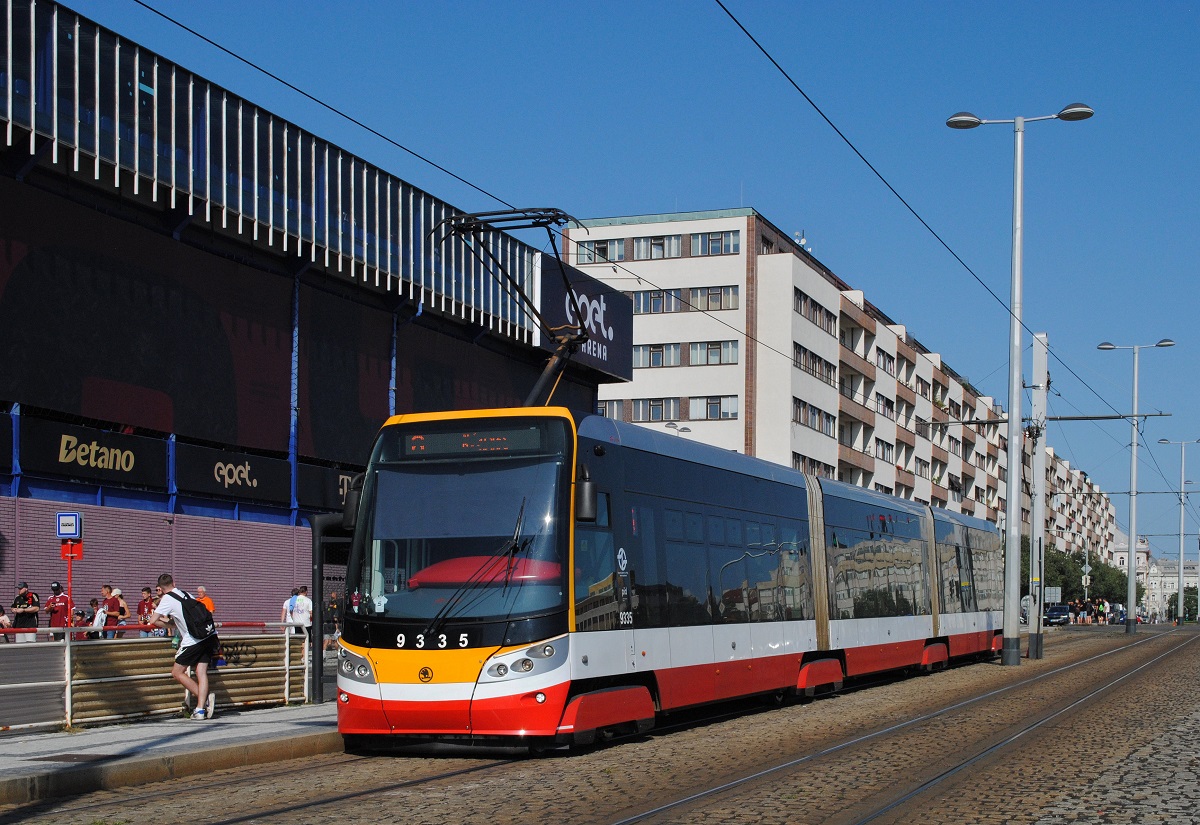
[64, 682]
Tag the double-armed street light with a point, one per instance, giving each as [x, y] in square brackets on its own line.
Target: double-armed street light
[1179, 612]
[1131, 567]
[1011, 651]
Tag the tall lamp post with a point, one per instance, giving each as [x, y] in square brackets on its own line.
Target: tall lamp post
[1131, 571]
[1011, 652]
[1179, 611]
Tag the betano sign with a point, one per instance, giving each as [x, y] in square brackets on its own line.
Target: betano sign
[53, 448]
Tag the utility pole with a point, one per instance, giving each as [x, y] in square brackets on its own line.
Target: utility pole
[1037, 492]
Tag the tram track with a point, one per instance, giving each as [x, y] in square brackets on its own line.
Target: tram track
[833, 760]
[887, 802]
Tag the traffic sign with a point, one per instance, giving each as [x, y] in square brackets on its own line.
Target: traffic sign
[70, 526]
[72, 549]
[1087, 568]
[1087, 581]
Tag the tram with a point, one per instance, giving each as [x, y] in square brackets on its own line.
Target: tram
[535, 576]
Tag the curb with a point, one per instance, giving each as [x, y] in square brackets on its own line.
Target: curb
[146, 769]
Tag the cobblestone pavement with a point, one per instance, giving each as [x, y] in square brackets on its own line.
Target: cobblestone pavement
[1128, 759]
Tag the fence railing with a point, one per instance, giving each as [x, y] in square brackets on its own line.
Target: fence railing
[60, 681]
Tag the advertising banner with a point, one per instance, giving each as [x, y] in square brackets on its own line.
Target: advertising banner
[237, 475]
[322, 488]
[54, 448]
[607, 317]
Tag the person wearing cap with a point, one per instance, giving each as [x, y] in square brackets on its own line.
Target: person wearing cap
[79, 619]
[25, 608]
[123, 613]
[58, 608]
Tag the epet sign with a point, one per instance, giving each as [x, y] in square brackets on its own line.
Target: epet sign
[606, 314]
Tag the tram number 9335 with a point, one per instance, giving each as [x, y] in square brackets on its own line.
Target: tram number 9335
[441, 641]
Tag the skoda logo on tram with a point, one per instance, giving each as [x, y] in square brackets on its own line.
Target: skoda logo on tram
[425, 674]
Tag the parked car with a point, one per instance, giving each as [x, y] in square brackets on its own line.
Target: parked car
[1056, 614]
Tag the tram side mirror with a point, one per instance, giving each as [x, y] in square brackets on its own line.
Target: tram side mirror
[350, 507]
[585, 496]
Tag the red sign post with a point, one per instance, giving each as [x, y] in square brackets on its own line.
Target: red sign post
[71, 549]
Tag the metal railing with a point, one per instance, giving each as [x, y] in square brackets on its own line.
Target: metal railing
[62, 681]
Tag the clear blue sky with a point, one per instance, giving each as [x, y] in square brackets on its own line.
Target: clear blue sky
[619, 108]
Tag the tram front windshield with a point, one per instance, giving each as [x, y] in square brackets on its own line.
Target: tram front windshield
[464, 524]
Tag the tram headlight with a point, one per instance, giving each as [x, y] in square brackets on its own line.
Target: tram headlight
[354, 667]
[500, 670]
[541, 652]
[524, 665]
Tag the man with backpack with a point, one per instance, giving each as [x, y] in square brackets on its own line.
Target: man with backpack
[198, 641]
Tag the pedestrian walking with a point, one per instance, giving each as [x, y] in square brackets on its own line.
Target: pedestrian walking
[194, 653]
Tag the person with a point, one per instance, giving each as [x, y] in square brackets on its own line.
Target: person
[5, 624]
[285, 615]
[332, 628]
[95, 619]
[79, 619]
[123, 613]
[193, 653]
[58, 608]
[302, 612]
[25, 608]
[112, 610]
[205, 599]
[145, 609]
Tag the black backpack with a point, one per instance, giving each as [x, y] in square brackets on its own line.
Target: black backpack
[197, 617]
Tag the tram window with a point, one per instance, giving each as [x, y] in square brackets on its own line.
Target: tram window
[694, 525]
[733, 532]
[716, 530]
[595, 586]
[689, 601]
[731, 584]
[649, 587]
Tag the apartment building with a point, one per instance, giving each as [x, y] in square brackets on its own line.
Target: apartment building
[1080, 518]
[744, 340]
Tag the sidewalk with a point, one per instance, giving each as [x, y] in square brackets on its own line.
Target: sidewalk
[43, 765]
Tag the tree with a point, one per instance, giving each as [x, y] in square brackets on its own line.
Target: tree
[1066, 571]
[1189, 604]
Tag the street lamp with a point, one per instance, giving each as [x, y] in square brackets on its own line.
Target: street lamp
[1179, 612]
[671, 425]
[1011, 652]
[1131, 571]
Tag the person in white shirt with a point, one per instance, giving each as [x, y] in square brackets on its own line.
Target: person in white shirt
[302, 612]
[194, 653]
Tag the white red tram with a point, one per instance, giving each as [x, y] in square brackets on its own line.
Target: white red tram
[524, 574]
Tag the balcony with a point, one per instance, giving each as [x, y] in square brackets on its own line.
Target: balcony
[907, 393]
[856, 363]
[904, 477]
[856, 409]
[854, 457]
[939, 455]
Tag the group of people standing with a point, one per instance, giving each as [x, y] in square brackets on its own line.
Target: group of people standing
[103, 617]
[1091, 611]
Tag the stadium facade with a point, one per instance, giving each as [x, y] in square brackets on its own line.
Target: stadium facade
[207, 311]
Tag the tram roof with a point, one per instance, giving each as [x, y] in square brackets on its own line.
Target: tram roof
[652, 441]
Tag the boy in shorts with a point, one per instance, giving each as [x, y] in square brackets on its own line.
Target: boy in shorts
[194, 653]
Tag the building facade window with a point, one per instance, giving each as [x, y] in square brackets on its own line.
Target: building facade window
[655, 355]
[713, 352]
[611, 409]
[885, 362]
[813, 311]
[885, 406]
[813, 417]
[811, 466]
[710, 298]
[655, 301]
[714, 408]
[814, 364]
[593, 252]
[921, 467]
[885, 451]
[656, 409]
[716, 243]
[922, 387]
[656, 247]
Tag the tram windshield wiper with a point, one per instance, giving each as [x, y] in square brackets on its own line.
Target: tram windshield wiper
[504, 554]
